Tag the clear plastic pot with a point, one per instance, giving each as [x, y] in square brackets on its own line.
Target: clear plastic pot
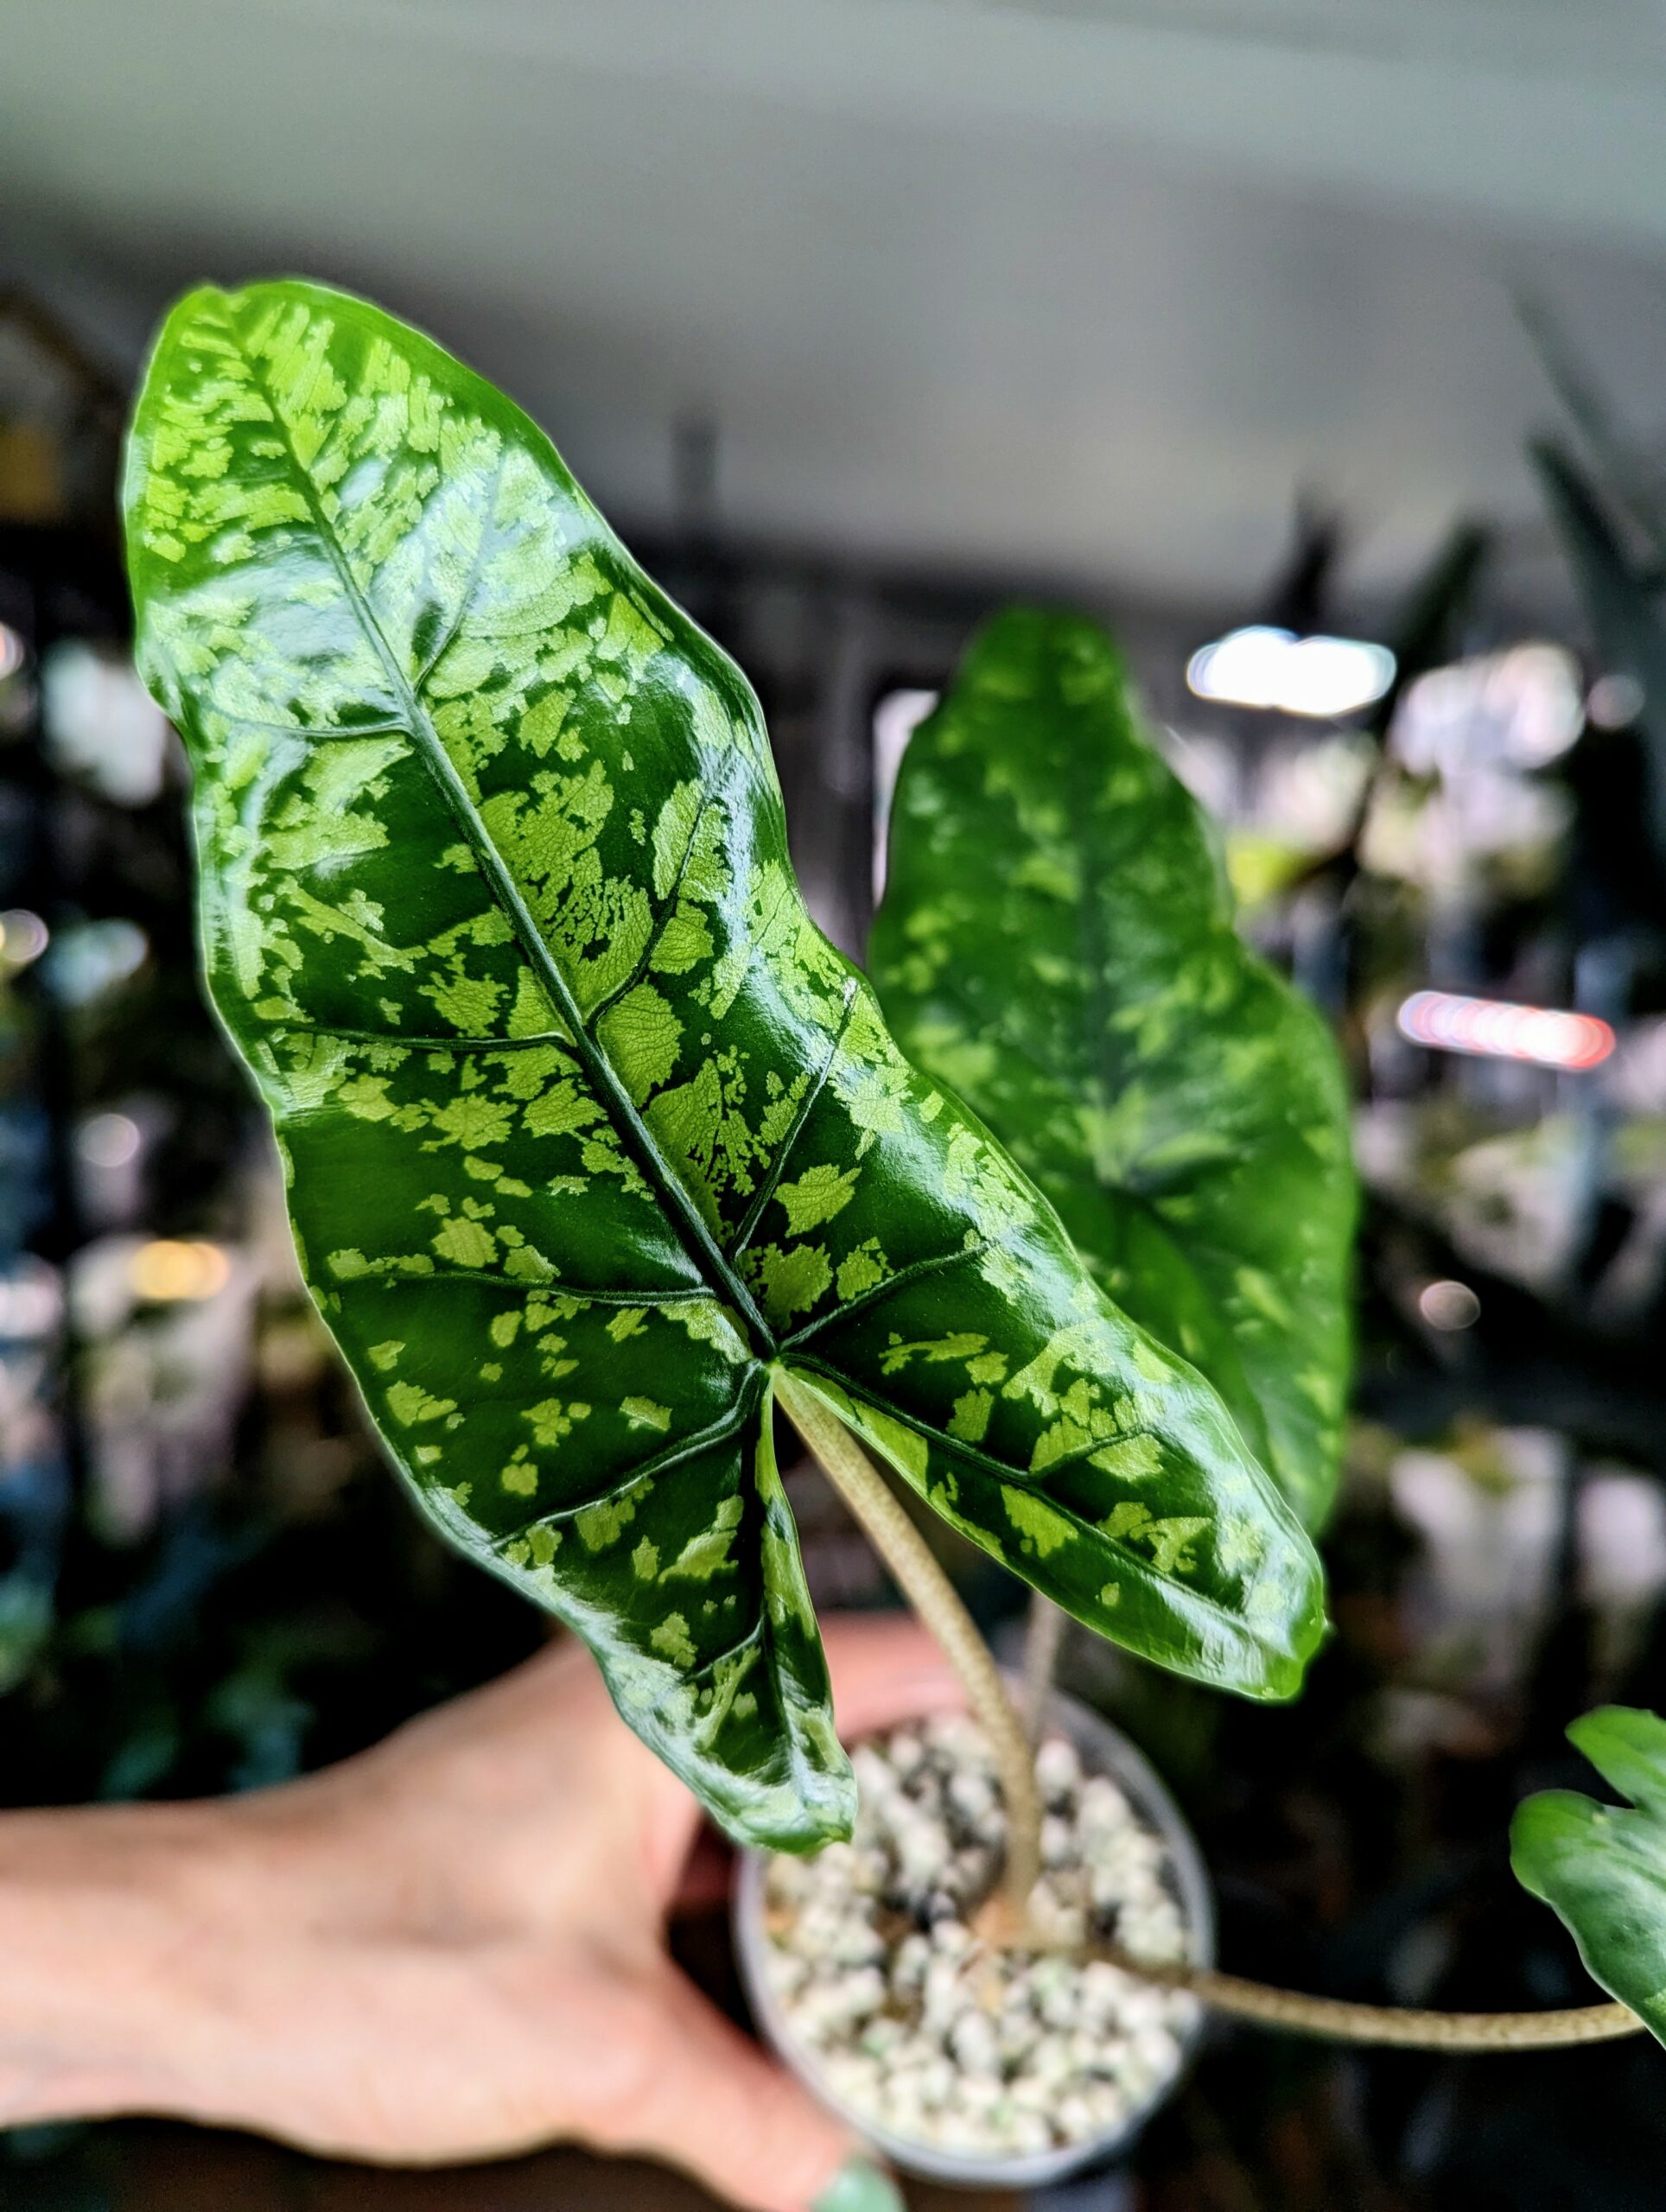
[1102, 1750]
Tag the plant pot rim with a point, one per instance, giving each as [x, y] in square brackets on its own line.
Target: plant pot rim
[1103, 1749]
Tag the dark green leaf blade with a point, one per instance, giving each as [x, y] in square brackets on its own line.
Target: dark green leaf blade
[589, 1128]
[1602, 1868]
[1056, 942]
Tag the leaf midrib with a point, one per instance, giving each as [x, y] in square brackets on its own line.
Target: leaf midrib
[702, 1248]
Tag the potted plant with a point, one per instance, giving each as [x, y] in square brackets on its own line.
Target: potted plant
[600, 1155]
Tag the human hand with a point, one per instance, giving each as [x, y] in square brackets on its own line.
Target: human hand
[451, 1946]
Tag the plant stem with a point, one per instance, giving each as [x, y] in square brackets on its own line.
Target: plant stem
[938, 1603]
[1043, 1637]
[1338, 2021]
[934, 1597]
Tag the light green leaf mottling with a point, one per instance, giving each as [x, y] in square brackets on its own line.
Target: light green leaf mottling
[1056, 943]
[496, 905]
[705, 1555]
[1041, 1529]
[410, 1404]
[671, 1636]
[816, 1197]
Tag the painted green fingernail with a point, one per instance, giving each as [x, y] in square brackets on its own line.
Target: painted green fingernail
[859, 2186]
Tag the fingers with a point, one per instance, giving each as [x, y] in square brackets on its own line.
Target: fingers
[886, 1667]
[703, 2097]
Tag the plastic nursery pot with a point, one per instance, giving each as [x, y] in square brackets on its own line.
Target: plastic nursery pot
[1102, 1750]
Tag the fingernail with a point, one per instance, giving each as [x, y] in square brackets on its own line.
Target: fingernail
[860, 2186]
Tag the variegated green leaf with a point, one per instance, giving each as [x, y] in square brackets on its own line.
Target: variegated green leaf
[1602, 1868]
[1056, 943]
[589, 1131]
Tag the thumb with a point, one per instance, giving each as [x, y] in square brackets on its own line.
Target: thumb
[711, 2103]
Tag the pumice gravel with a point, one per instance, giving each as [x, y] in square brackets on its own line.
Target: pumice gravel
[915, 2024]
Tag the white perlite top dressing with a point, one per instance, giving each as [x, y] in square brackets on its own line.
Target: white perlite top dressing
[946, 2041]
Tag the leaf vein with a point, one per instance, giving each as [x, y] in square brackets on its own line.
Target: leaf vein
[772, 1174]
[696, 1237]
[915, 1271]
[662, 922]
[648, 1470]
[1141, 1570]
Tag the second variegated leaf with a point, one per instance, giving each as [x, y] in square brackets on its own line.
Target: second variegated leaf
[1056, 943]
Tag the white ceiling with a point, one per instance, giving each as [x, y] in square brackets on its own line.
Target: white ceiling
[1082, 286]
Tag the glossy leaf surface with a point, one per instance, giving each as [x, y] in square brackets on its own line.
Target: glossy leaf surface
[589, 1128]
[1602, 1868]
[1056, 943]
